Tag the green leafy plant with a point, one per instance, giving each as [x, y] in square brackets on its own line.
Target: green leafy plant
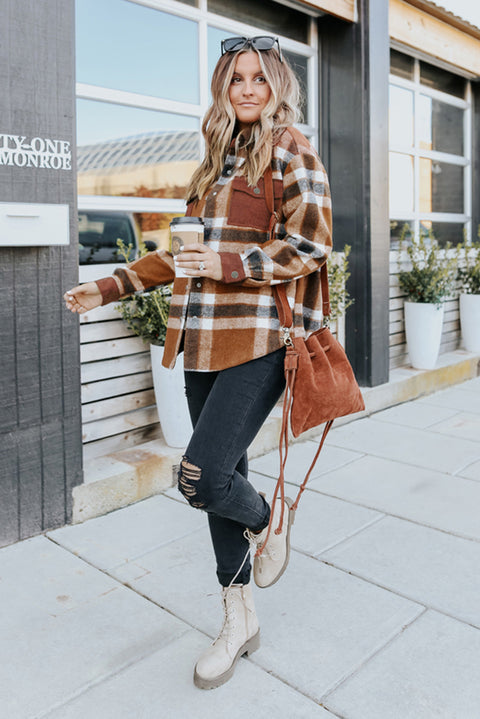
[146, 313]
[433, 272]
[338, 275]
[468, 275]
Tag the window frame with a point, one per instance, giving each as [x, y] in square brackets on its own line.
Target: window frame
[204, 18]
[465, 160]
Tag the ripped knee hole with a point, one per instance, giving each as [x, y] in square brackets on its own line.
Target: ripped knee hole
[188, 474]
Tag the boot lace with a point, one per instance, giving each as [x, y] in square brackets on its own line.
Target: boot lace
[229, 617]
[253, 540]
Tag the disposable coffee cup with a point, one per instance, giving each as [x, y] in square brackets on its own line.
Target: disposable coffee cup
[184, 231]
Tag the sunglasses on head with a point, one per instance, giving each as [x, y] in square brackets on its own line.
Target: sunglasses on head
[260, 42]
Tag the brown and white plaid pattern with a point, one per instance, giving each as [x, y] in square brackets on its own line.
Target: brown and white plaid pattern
[226, 323]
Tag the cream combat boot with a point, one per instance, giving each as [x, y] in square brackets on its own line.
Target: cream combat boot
[240, 635]
[271, 564]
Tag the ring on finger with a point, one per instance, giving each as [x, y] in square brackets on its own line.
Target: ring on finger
[201, 266]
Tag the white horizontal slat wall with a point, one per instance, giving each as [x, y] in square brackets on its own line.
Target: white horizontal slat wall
[398, 348]
[118, 402]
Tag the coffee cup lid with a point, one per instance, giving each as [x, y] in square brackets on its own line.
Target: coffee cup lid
[187, 221]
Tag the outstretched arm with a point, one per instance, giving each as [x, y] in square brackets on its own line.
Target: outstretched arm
[83, 298]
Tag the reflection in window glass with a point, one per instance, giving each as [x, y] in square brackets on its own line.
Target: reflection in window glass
[445, 231]
[125, 46]
[299, 64]
[128, 151]
[268, 15]
[215, 38]
[101, 231]
[441, 187]
[401, 184]
[443, 80]
[401, 116]
[401, 65]
[440, 126]
[399, 228]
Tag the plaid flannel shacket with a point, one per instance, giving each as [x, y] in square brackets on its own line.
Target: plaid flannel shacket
[229, 322]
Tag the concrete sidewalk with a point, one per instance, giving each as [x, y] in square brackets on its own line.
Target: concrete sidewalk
[377, 617]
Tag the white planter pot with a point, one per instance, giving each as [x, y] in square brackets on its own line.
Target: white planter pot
[423, 328]
[172, 406]
[470, 321]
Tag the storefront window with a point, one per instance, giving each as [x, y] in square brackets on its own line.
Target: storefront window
[125, 46]
[441, 187]
[439, 79]
[111, 237]
[132, 152]
[273, 17]
[445, 231]
[141, 100]
[401, 116]
[401, 65]
[401, 184]
[429, 167]
[440, 126]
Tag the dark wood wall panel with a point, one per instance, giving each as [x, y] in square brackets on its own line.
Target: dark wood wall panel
[354, 115]
[40, 431]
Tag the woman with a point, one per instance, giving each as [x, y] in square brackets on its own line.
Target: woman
[223, 315]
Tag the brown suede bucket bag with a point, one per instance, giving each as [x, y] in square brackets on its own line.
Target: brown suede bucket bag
[320, 383]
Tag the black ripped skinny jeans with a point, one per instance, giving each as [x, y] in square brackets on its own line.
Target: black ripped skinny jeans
[227, 409]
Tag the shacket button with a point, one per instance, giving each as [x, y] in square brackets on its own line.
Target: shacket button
[256, 190]
[199, 284]
[234, 274]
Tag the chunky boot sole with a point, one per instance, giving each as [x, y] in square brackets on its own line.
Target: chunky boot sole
[290, 521]
[249, 647]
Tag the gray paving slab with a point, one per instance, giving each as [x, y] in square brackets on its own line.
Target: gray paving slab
[431, 567]
[472, 385]
[424, 496]
[430, 671]
[464, 398]
[180, 576]
[414, 414]
[300, 456]
[318, 623]
[161, 686]
[461, 425]
[422, 448]
[35, 575]
[320, 521]
[127, 533]
[65, 625]
[471, 472]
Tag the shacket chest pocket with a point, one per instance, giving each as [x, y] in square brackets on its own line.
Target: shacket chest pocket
[247, 206]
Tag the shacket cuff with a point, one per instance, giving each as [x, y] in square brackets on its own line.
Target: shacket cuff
[109, 289]
[232, 267]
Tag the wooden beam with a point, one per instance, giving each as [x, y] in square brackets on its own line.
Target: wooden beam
[345, 9]
[420, 30]
[449, 17]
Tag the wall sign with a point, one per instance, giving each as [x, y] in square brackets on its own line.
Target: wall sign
[40, 152]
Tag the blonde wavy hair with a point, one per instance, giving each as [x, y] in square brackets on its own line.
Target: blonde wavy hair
[219, 124]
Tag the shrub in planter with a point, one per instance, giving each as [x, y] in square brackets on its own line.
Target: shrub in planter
[468, 256]
[338, 275]
[426, 284]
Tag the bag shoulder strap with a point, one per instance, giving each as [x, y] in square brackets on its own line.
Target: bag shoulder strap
[284, 311]
[291, 366]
